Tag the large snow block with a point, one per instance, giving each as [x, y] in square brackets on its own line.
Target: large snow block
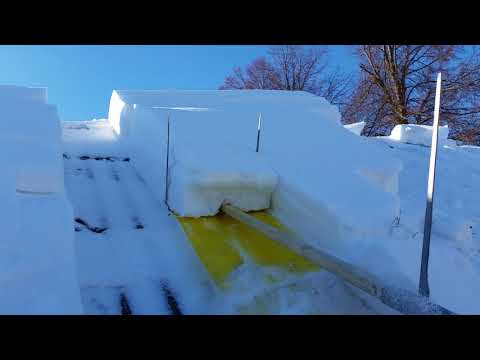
[8, 201]
[30, 120]
[38, 266]
[203, 178]
[20, 94]
[32, 133]
[201, 100]
[420, 135]
[40, 168]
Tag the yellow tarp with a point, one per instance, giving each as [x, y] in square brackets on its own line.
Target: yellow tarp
[222, 243]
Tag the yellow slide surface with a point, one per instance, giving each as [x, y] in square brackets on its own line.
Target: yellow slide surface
[223, 243]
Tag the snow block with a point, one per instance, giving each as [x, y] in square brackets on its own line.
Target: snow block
[37, 255]
[38, 267]
[39, 167]
[420, 135]
[8, 201]
[17, 94]
[355, 128]
[30, 121]
[32, 131]
[205, 177]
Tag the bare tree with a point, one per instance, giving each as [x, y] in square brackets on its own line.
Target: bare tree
[294, 68]
[259, 74]
[397, 86]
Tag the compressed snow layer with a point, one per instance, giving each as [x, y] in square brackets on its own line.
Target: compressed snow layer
[232, 175]
[38, 166]
[356, 128]
[124, 101]
[420, 135]
[29, 121]
[37, 263]
[38, 269]
[8, 201]
[18, 94]
[30, 130]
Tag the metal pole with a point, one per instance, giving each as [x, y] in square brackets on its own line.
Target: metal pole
[423, 287]
[259, 128]
[168, 152]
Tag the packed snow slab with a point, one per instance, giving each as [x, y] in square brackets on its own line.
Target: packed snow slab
[8, 200]
[17, 94]
[420, 135]
[37, 264]
[205, 177]
[30, 129]
[30, 121]
[355, 128]
[38, 269]
[123, 102]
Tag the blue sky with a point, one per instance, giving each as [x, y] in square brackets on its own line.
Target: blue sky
[80, 79]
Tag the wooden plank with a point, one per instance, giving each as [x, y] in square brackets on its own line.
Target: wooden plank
[398, 299]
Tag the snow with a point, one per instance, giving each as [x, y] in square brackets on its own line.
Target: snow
[38, 266]
[17, 94]
[31, 128]
[454, 266]
[112, 194]
[360, 199]
[8, 199]
[420, 135]
[38, 269]
[299, 154]
[355, 128]
[325, 175]
[232, 175]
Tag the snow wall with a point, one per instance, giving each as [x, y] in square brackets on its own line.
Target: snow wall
[324, 171]
[38, 270]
